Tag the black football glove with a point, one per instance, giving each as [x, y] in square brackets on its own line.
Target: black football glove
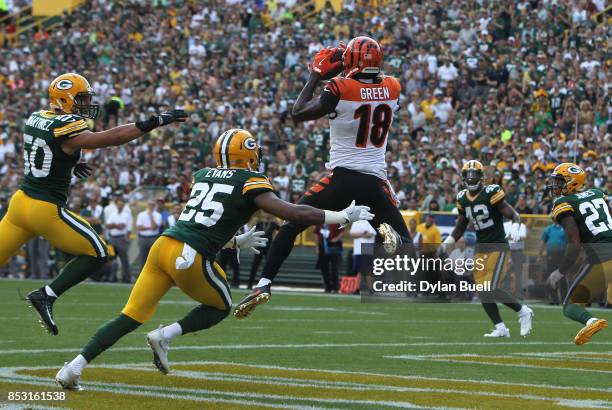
[81, 170]
[162, 119]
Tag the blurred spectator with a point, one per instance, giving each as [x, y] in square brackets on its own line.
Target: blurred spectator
[38, 258]
[329, 254]
[554, 242]
[430, 240]
[517, 258]
[166, 217]
[147, 225]
[119, 225]
[362, 234]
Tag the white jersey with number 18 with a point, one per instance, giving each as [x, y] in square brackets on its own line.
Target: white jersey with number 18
[360, 123]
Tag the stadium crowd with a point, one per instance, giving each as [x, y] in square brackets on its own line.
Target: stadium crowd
[519, 85]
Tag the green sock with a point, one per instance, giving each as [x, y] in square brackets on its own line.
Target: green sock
[107, 335]
[577, 313]
[508, 299]
[202, 318]
[493, 312]
[76, 271]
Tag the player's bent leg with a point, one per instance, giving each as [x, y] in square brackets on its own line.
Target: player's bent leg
[151, 286]
[331, 192]
[73, 235]
[203, 281]
[525, 314]
[590, 282]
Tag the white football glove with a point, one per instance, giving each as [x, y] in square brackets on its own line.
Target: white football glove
[251, 239]
[354, 213]
[515, 232]
[446, 246]
[554, 278]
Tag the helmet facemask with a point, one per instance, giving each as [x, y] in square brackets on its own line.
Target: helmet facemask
[82, 105]
[472, 178]
[557, 185]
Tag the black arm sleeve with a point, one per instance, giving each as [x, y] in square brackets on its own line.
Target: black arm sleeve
[329, 100]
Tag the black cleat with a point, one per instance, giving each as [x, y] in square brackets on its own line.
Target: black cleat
[257, 296]
[43, 305]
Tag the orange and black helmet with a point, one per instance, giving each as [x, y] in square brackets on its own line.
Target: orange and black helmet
[71, 94]
[362, 55]
[237, 148]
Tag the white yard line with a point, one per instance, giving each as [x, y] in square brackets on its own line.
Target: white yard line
[301, 346]
[445, 359]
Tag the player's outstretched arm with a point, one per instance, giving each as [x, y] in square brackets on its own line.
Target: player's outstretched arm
[306, 108]
[308, 215]
[123, 133]
[326, 64]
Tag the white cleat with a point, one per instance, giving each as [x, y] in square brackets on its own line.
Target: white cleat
[498, 333]
[525, 319]
[160, 346]
[68, 379]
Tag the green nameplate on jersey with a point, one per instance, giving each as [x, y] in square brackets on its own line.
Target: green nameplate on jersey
[482, 211]
[221, 202]
[48, 169]
[591, 213]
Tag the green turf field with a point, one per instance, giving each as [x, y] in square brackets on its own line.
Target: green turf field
[308, 351]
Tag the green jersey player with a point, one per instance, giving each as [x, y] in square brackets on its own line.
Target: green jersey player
[52, 143]
[222, 200]
[485, 207]
[585, 217]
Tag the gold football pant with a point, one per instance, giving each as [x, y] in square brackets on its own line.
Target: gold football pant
[203, 281]
[27, 218]
[491, 266]
[590, 283]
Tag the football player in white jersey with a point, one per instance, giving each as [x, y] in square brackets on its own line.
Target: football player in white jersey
[360, 104]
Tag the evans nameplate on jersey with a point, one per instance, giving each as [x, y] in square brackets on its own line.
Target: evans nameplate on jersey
[220, 173]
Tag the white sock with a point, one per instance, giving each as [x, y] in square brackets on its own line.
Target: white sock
[50, 291]
[172, 331]
[263, 282]
[591, 321]
[501, 326]
[78, 364]
[523, 310]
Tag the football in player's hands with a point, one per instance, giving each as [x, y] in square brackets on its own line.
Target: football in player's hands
[327, 62]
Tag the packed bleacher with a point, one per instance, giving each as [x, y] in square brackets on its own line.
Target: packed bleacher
[519, 85]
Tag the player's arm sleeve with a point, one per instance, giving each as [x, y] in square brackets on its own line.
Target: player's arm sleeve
[70, 128]
[255, 186]
[497, 195]
[561, 210]
[330, 96]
